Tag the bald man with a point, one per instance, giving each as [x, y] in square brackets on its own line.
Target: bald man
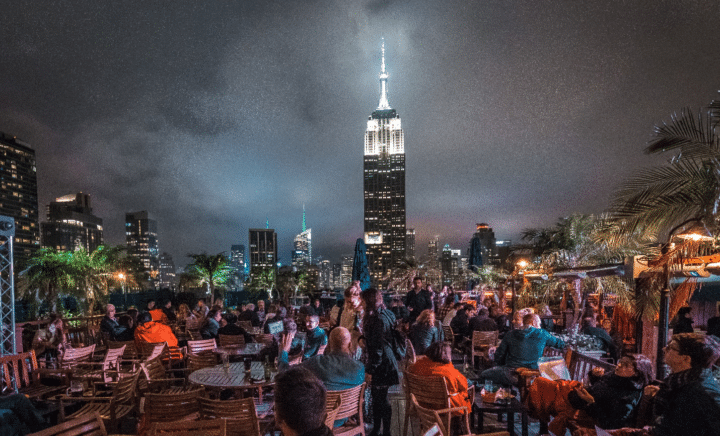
[335, 367]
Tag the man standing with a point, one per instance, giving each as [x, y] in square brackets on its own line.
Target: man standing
[336, 369]
[520, 348]
[417, 300]
[315, 339]
[110, 325]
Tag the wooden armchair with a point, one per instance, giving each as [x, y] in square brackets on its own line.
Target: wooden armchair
[201, 346]
[85, 425]
[171, 407]
[351, 408]
[482, 342]
[431, 417]
[430, 392]
[121, 404]
[265, 338]
[156, 379]
[103, 372]
[241, 414]
[200, 361]
[72, 357]
[246, 325]
[21, 371]
[212, 427]
[331, 411]
[237, 340]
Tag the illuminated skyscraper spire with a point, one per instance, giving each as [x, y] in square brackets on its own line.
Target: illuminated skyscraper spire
[304, 226]
[383, 82]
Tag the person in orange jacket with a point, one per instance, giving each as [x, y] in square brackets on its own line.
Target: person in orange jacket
[153, 331]
[437, 361]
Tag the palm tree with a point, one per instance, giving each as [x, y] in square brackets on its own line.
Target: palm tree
[47, 274]
[686, 188]
[92, 273]
[210, 270]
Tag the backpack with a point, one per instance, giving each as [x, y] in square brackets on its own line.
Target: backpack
[399, 344]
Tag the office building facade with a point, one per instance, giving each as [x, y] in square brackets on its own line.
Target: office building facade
[19, 196]
[384, 186]
[263, 250]
[141, 237]
[71, 224]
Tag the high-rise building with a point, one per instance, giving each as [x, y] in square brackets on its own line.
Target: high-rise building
[325, 280]
[488, 249]
[71, 224]
[337, 276]
[166, 272]
[450, 263]
[18, 195]
[410, 243]
[384, 185]
[346, 263]
[142, 241]
[263, 250]
[302, 247]
[433, 254]
[237, 263]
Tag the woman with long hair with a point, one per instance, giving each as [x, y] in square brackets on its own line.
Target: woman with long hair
[382, 367]
[425, 331]
[351, 316]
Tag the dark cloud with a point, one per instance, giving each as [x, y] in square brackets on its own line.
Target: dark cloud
[216, 117]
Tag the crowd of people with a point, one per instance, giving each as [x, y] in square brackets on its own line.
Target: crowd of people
[359, 346]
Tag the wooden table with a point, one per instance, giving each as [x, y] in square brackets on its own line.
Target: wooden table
[247, 350]
[232, 377]
[511, 408]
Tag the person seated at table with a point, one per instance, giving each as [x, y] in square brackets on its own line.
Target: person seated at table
[610, 401]
[211, 327]
[249, 314]
[201, 310]
[278, 314]
[425, 331]
[520, 349]
[169, 311]
[500, 318]
[318, 307]
[152, 331]
[315, 338]
[336, 368]
[232, 329]
[157, 313]
[482, 322]
[18, 416]
[608, 344]
[300, 403]
[437, 362]
[50, 342]
[460, 323]
[110, 325]
[127, 322]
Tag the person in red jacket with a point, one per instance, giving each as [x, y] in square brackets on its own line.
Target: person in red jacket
[153, 331]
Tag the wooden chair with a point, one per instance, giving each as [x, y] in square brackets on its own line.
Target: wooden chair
[130, 353]
[171, 407]
[194, 335]
[431, 417]
[103, 372]
[212, 427]
[410, 356]
[78, 337]
[265, 338]
[21, 371]
[90, 424]
[201, 346]
[156, 379]
[448, 334]
[331, 411]
[246, 325]
[237, 340]
[351, 408]
[72, 357]
[121, 404]
[481, 344]
[200, 361]
[241, 414]
[431, 392]
[151, 350]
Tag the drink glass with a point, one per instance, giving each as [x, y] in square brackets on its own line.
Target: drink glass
[76, 388]
[489, 386]
[226, 361]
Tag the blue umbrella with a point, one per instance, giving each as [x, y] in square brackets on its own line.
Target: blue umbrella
[360, 271]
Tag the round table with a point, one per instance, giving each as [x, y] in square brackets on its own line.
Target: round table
[250, 350]
[232, 377]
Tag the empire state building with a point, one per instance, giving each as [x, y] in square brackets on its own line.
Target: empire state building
[384, 184]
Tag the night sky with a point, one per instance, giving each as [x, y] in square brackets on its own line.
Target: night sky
[215, 116]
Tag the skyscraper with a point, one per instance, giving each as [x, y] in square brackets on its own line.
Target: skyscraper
[142, 241]
[263, 251]
[71, 224]
[410, 244]
[237, 263]
[302, 246]
[166, 272]
[384, 185]
[18, 195]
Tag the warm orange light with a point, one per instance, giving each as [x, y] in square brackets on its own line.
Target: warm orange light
[121, 276]
[522, 263]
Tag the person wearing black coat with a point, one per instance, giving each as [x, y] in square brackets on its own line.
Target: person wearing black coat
[417, 300]
[685, 322]
[382, 367]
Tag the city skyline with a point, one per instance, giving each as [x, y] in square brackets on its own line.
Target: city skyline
[216, 118]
